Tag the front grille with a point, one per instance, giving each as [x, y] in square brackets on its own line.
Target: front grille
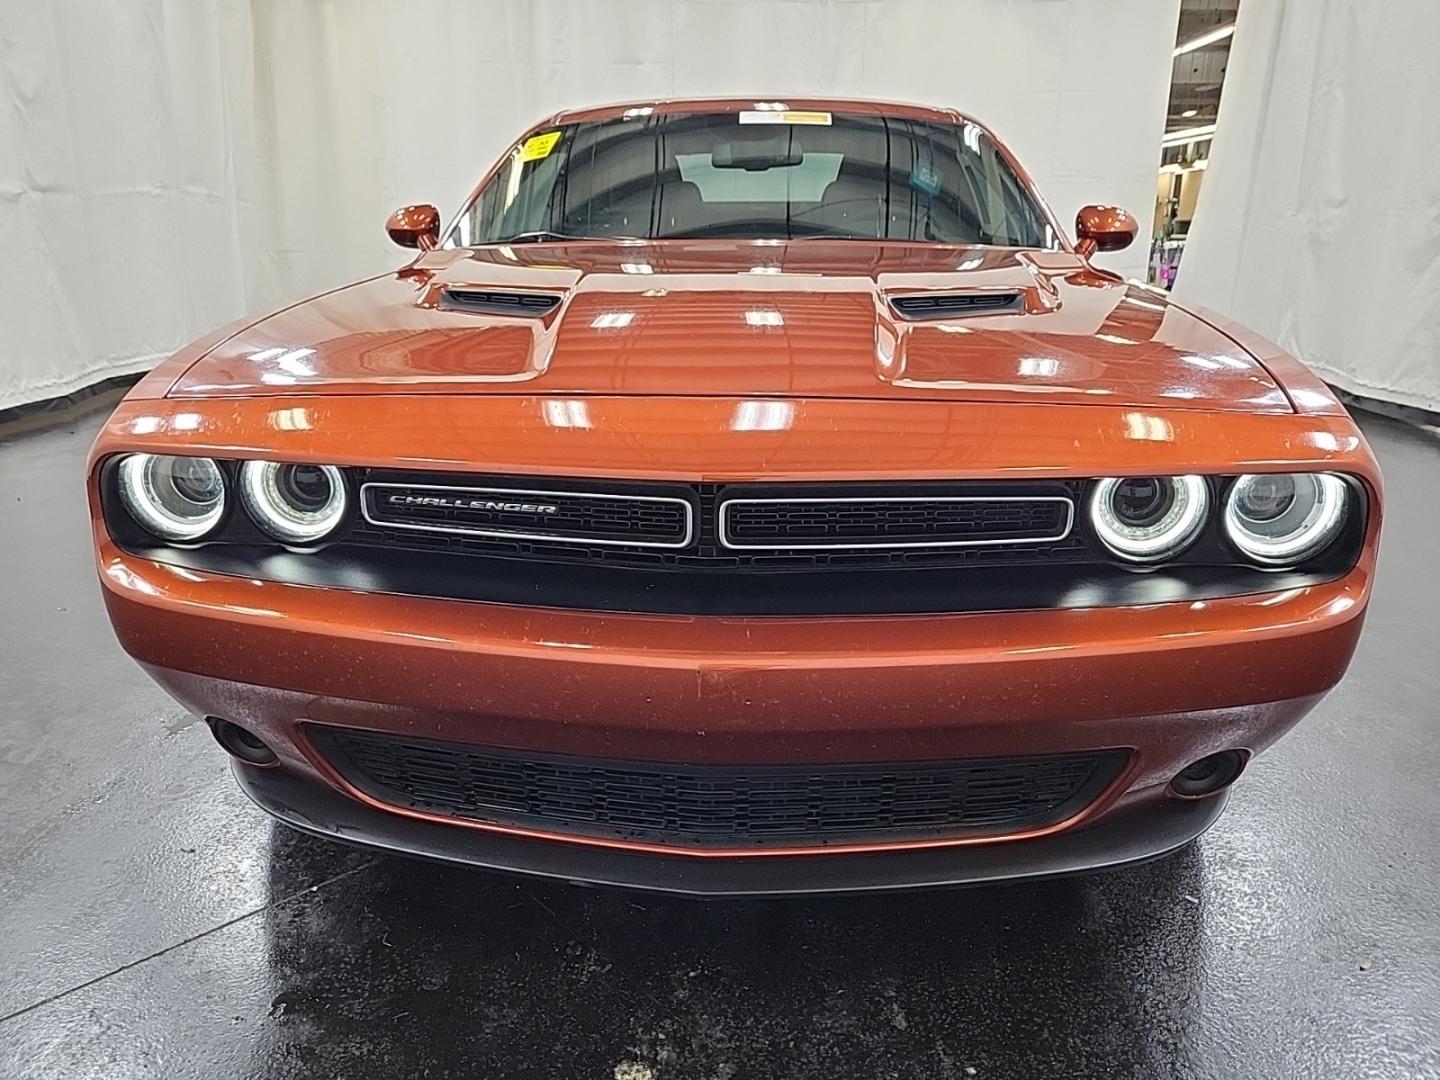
[893, 522]
[645, 521]
[720, 806]
[724, 527]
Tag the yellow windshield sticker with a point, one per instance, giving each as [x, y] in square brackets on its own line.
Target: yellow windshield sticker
[758, 116]
[539, 146]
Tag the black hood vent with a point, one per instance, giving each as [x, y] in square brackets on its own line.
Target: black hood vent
[957, 305]
[490, 302]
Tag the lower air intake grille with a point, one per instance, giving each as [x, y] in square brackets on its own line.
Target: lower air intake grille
[720, 806]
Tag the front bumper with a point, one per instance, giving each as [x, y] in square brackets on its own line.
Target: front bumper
[1172, 681]
[1123, 839]
[1168, 683]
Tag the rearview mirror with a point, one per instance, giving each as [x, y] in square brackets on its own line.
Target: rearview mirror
[415, 227]
[1104, 228]
[756, 155]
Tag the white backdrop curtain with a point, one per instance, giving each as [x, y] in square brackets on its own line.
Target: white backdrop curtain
[1319, 221]
[167, 166]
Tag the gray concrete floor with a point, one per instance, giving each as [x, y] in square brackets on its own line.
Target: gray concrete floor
[152, 923]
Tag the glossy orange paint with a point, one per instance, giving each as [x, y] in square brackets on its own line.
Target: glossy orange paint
[828, 331]
[713, 439]
[1104, 228]
[649, 369]
[415, 227]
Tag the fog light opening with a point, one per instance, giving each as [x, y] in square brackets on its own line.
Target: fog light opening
[1209, 775]
[241, 742]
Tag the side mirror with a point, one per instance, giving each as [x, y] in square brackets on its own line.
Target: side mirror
[415, 227]
[1104, 228]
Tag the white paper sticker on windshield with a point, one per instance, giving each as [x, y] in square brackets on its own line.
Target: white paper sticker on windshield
[756, 116]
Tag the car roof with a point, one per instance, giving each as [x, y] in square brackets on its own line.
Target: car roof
[684, 106]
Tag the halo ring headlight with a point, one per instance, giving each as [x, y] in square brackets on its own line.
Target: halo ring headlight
[1280, 519]
[1148, 519]
[296, 504]
[174, 497]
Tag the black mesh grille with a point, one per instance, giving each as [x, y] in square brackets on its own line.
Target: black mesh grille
[779, 523]
[1014, 524]
[945, 305]
[717, 806]
[506, 512]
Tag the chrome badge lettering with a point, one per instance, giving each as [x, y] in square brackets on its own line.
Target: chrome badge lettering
[449, 502]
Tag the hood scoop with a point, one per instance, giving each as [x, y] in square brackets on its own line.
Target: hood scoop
[952, 305]
[493, 302]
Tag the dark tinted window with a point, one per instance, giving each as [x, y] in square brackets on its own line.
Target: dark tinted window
[748, 176]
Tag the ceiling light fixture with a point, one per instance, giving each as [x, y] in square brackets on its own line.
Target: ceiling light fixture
[1210, 37]
[1187, 135]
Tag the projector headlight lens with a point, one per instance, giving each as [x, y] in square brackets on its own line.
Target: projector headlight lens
[297, 504]
[1149, 518]
[176, 498]
[1279, 519]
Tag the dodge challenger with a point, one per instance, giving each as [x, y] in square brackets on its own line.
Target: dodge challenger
[742, 497]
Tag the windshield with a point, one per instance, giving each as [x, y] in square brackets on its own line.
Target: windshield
[756, 175]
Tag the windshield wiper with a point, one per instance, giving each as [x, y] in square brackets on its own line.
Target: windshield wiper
[837, 236]
[742, 237]
[541, 236]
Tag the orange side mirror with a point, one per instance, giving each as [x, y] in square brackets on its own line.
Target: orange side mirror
[1104, 228]
[415, 227]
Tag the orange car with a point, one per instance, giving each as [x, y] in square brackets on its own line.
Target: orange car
[742, 497]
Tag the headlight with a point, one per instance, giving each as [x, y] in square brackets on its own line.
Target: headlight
[298, 504]
[1283, 518]
[1148, 518]
[176, 498]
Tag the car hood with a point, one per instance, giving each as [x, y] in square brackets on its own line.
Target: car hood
[739, 319]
